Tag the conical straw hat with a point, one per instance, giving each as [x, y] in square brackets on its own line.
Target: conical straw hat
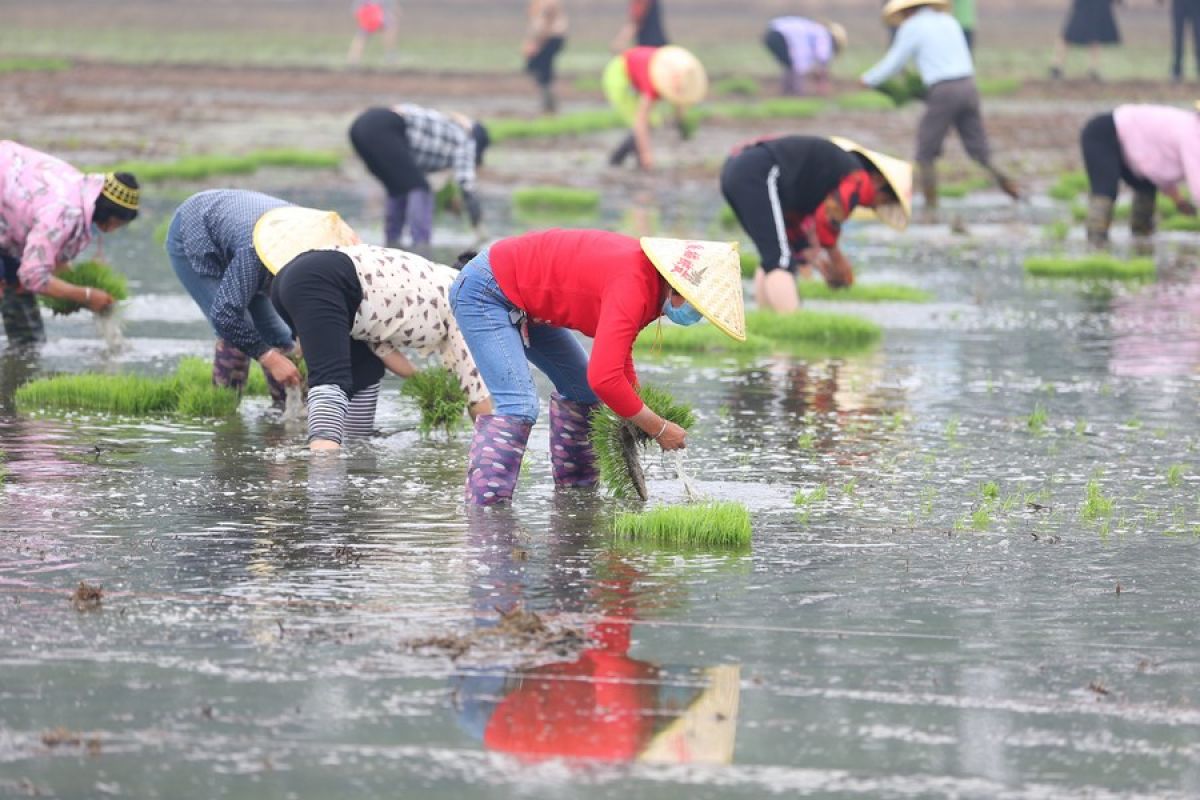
[707, 274]
[678, 76]
[838, 32]
[891, 12]
[897, 173]
[706, 733]
[281, 234]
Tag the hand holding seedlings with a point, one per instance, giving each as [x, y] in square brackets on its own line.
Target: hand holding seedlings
[280, 367]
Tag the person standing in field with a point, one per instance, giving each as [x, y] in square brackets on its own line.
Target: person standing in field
[643, 27]
[805, 49]
[373, 17]
[930, 36]
[547, 35]
[1090, 24]
[49, 212]
[965, 13]
[1184, 13]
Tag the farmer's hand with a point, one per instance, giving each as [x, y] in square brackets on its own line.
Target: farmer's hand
[1185, 207]
[280, 367]
[672, 438]
[97, 300]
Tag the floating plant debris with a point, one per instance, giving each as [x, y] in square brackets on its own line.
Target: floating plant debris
[1097, 266]
[92, 274]
[87, 597]
[699, 525]
[440, 398]
[617, 441]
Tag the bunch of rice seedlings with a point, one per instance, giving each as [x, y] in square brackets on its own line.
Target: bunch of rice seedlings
[574, 123]
[33, 64]
[740, 85]
[440, 398]
[127, 395]
[206, 401]
[1057, 231]
[1069, 186]
[194, 371]
[864, 292]
[1095, 266]
[995, 87]
[824, 331]
[750, 262]
[867, 100]
[556, 199]
[617, 441]
[205, 166]
[701, 525]
[88, 273]
[964, 187]
[773, 108]
[903, 88]
[588, 83]
[696, 339]
[1180, 222]
[727, 219]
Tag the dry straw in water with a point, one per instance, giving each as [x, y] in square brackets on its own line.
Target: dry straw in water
[440, 398]
[701, 525]
[617, 442]
[92, 274]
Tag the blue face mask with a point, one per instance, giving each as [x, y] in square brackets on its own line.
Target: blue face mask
[685, 314]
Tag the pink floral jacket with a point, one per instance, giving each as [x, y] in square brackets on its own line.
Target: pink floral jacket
[46, 208]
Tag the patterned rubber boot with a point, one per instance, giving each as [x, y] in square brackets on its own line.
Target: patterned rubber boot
[22, 318]
[571, 454]
[1141, 221]
[231, 367]
[494, 462]
[393, 220]
[1099, 220]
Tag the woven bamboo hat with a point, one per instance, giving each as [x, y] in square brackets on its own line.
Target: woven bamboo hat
[707, 274]
[678, 75]
[281, 234]
[899, 177]
[891, 12]
[840, 37]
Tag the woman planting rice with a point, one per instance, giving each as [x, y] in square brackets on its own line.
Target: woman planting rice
[48, 213]
[353, 308]
[791, 195]
[635, 80]
[518, 302]
[1149, 148]
[805, 49]
[210, 242]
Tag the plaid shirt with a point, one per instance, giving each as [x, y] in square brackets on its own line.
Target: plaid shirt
[438, 142]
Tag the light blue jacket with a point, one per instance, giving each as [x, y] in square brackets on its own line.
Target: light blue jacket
[935, 40]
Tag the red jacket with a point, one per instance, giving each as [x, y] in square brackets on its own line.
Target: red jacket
[598, 283]
[637, 62]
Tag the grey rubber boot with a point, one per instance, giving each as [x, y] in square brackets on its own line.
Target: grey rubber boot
[1099, 220]
[1141, 221]
[22, 318]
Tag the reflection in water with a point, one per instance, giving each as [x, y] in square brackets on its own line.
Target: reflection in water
[1156, 333]
[602, 704]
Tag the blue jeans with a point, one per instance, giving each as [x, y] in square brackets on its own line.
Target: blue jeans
[491, 325]
[203, 288]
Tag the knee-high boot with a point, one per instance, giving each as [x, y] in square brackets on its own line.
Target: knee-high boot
[231, 367]
[1141, 221]
[494, 462]
[1099, 220]
[571, 454]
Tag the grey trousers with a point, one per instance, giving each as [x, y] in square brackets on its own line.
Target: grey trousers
[952, 104]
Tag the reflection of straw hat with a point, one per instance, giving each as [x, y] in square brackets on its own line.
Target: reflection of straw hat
[707, 274]
[678, 76]
[281, 234]
[838, 32]
[705, 733]
[891, 12]
[897, 173]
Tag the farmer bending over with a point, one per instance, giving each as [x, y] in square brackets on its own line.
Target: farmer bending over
[635, 80]
[805, 48]
[49, 212]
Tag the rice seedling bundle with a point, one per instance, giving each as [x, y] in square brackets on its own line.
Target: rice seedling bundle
[193, 371]
[440, 398]
[700, 525]
[1095, 266]
[1180, 222]
[556, 199]
[750, 262]
[903, 89]
[206, 401]
[864, 293]
[574, 123]
[964, 187]
[205, 166]
[33, 64]
[697, 340]
[773, 108]
[741, 85]
[1069, 186]
[995, 87]
[814, 327]
[126, 395]
[864, 101]
[617, 441]
[92, 274]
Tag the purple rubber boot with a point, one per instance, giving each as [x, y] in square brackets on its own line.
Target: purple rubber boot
[494, 463]
[231, 367]
[395, 211]
[571, 453]
[419, 211]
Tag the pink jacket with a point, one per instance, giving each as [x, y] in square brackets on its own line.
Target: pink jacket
[1161, 144]
[46, 208]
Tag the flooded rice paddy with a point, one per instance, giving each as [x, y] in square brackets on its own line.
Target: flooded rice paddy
[972, 571]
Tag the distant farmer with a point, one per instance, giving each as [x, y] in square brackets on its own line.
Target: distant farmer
[791, 194]
[210, 243]
[373, 17]
[48, 213]
[965, 13]
[635, 80]
[1090, 24]
[643, 27]
[547, 35]
[355, 309]
[805, 49]
[403, 144]
[935, 41]
[1183, 14]
[1150, 148]
[521, 299]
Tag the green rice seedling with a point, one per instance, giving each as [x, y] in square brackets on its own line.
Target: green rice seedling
[703, 339]
[863, 292]
[1057, 231]
[727, 220]
[990, 491]
[448, 198]
[700, 525]
[806, 441]
[868, 100]
[981, 518]
[903, 89]
[850, 487]
[571, 124]
[127, 395]
[616, 441]
[1036, 421]
[1095, 505]
[1094, 266]
[738, 85]
[965, 187]
[773, 108]
[295, 158]
[996, 87]
[207, 402]
[556, 199]
[88, 273]
[440, 398]
[832, 333]
[750, 262]
[817, 495]
[1181, 223]
[1175, 475]
[33, 64]
[199, 167]
[193, 371]
[587, 83]
[1069, 186]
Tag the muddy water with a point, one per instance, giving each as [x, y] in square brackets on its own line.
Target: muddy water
[275, 625]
